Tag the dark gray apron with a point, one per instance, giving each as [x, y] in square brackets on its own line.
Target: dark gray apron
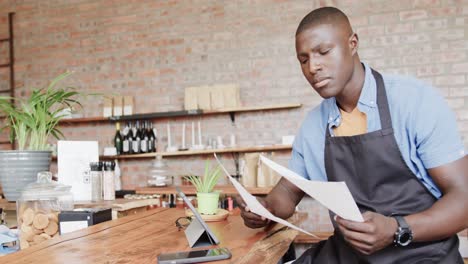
[380, 181]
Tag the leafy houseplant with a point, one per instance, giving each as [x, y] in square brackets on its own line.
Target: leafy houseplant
[31, 122]
[207, 198]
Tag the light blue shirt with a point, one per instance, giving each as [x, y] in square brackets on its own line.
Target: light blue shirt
[425, 128]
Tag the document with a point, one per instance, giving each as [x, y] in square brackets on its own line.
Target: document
[255, 206]
[73, 158]
[333, 195]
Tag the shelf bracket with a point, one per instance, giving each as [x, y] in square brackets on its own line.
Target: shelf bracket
[233, 117]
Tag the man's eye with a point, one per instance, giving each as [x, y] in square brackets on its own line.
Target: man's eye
[304, 61]
[323, 52]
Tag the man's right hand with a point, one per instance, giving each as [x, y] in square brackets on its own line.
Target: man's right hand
[250, 219]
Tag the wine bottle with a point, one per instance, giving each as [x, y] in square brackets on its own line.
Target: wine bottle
[118, 143]
[144, 139]
[155, 135]
[136, 138]
[149, 132]
[126, 141]
[130, 138]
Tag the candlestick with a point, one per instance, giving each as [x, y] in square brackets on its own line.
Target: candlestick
[183, 135]
[193, 134]
[199, 134]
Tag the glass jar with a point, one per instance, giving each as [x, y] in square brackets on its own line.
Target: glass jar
[159, 173]
[38, 208]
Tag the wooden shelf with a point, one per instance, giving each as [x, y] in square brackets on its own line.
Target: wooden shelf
[190, 190]
[198, 152]
[204, 152]
[181, 113]
[84, 120]
[251, 109]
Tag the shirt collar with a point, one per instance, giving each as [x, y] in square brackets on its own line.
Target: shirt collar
[368, 97]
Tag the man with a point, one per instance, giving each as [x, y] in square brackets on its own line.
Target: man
[392, 139]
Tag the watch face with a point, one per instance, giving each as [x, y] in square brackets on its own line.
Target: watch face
[405, 237]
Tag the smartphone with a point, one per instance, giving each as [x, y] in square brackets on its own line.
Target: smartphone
[194, 256]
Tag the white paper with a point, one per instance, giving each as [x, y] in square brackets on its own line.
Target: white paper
[70, 226]
[73, 158]
[333, 195]
[255, 206]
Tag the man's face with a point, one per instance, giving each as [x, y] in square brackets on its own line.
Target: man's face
[325, 53]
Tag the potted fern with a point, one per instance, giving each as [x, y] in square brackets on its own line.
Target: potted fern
[31, 122]
[207, 199]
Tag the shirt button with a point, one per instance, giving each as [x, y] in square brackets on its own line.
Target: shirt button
[371, 102]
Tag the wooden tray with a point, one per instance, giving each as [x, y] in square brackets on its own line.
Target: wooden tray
[219, 216]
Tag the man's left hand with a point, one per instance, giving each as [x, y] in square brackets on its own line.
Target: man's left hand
[375, 233]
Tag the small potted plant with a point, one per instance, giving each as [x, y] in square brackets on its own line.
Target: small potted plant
[31, 122]
[207, 199]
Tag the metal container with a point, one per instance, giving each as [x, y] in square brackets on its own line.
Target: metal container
[19, 168]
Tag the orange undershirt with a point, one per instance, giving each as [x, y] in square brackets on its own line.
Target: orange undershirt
[354, 123]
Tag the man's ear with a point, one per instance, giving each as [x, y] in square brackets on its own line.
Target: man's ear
[353, 43]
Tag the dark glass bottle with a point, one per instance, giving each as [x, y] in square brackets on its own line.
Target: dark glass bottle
[144, 138]
[149, 132]
[118, 142]
[136, 138]
[126, 139]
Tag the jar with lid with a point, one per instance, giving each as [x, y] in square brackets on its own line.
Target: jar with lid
[159, 173]
[38, 208]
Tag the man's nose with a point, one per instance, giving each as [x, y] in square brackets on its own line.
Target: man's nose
[314, 66]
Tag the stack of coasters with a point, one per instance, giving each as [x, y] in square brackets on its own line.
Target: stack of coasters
[80, 218]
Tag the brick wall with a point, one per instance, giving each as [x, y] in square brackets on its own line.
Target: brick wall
[154, 49]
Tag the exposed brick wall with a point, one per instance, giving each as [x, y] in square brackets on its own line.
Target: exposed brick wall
[154, 49]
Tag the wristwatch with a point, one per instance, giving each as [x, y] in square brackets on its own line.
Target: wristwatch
[403, 235]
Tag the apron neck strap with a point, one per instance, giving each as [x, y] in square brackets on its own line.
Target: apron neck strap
[382, 102]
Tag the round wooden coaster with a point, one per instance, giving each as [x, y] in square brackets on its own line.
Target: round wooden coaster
[220, 215]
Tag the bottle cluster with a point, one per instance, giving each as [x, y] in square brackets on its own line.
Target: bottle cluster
[136, 137]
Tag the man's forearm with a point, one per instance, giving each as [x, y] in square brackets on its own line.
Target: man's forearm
[284, 197]
[446, 217]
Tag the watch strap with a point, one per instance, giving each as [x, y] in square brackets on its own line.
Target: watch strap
[401, 221]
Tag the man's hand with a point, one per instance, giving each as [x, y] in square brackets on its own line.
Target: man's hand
[250, 219]
[375, 233]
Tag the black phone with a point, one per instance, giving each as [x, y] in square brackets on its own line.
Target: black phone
[194, 256]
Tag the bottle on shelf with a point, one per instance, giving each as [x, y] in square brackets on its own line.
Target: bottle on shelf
[136, 138]
[130, 138]
[118, 141]
[144, 138]
[149, 132]
[126, 139]
[155, 136]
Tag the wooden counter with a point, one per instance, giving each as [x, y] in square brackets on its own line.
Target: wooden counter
[140, 238]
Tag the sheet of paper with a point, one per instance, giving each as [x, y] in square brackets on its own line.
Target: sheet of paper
[255, 206]
[73, 158]
[333, 195]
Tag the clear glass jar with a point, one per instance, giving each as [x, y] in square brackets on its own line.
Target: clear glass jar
[159, 173]
[38, 208]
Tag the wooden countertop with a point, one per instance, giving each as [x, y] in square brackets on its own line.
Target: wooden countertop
[140, 238]
[190, 190]
[117, 204]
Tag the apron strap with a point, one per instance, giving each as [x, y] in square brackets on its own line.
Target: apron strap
[382, 102]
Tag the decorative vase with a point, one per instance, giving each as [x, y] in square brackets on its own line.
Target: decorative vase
[19, 168]
[208, 203]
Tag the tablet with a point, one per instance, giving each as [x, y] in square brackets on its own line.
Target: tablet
[197, 215]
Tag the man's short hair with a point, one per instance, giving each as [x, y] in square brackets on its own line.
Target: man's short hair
[323, 15]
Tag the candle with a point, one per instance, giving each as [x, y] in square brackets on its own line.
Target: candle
[199, 134]
[183, 135]
[193, 134]
[168, 135]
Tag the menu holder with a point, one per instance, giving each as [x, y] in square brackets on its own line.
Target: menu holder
[198, 233]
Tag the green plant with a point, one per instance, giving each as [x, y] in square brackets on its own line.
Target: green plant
[33, 120]
[208, 181]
